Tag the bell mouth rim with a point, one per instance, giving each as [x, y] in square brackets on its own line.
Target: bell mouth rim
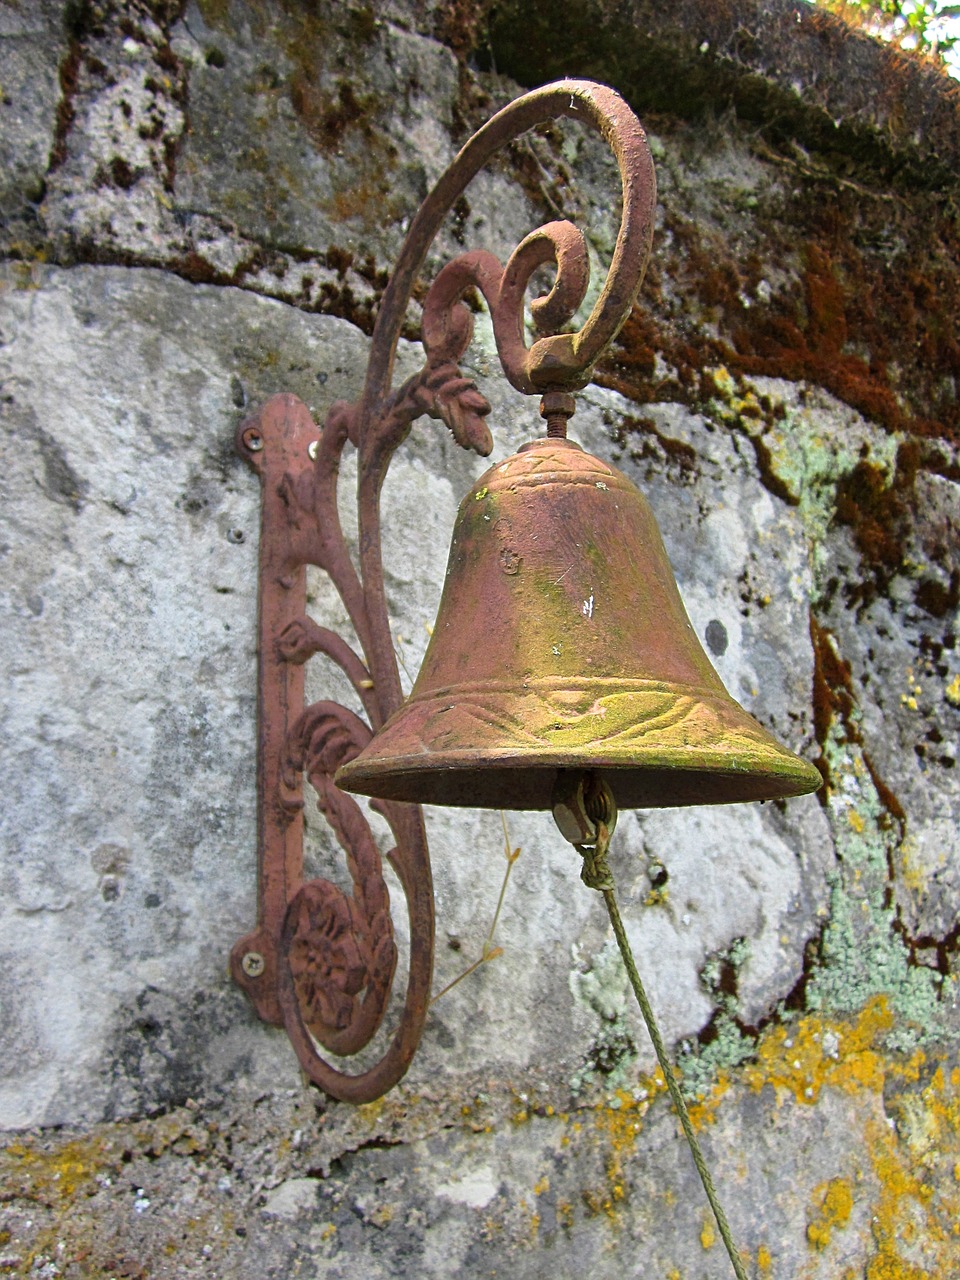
[512, 779]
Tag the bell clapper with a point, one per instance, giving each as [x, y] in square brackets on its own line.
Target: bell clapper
[586, 813]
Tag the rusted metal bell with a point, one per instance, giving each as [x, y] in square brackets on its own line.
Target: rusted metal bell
[562, 644]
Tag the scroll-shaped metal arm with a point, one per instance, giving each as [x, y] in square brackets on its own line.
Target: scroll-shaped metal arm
[321, 960]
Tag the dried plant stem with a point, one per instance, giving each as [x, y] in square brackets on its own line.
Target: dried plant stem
[489, 951]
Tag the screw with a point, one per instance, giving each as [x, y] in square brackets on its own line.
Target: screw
[253, 964]
[253, 440]
[312, 448]
[556, 407]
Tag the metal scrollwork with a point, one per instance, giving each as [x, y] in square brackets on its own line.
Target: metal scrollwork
[322, 959]
[340, 947]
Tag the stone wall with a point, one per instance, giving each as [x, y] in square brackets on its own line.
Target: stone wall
[201, 204]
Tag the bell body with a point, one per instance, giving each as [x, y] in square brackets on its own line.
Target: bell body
[562, 643]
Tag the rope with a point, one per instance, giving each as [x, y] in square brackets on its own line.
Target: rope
[596, 874]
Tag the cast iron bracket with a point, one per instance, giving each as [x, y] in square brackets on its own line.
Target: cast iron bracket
[321, 961]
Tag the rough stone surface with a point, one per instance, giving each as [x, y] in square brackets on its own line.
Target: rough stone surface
[32, 44]
[200, 205]
[795, 71]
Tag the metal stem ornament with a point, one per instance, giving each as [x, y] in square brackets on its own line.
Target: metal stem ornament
[589, 668]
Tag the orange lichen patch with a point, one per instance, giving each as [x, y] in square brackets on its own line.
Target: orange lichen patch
[619, 1131]
[915, 1220]
[616, 1125]
[597, 1202]
[804, 1057]
[915, 1215]
[703, 1112]
[521, 1112]
[49, 1177]
[928, 1125]
[913, 1199]
[833, 1204]
[708, 1234]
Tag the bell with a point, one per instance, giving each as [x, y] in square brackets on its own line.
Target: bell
[562, 647]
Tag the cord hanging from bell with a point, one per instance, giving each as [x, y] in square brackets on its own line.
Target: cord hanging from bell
[586, 814]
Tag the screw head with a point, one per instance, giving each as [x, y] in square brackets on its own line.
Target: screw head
[253, 440]
[253, 964]
[312, 450]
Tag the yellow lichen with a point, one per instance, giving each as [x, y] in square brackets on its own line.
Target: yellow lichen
[704, 1111]
[371, 1111]
[911, 869]
[617, 1123]
[802, 1058]
[916, 1213]
[833, 1204]
[55, 1175]
[912, 1200]
[708, 1234]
